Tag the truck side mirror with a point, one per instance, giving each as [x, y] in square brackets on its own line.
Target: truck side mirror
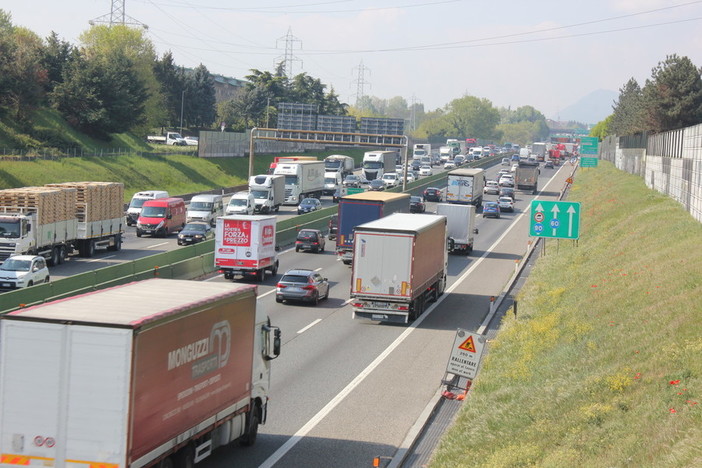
[272, 342]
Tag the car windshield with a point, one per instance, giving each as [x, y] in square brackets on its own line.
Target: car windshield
[259, 193]
[154, 212]
[308, 201]
[201, 206]
[195, 227]
[237, 202]
[138, 202]
[13, 264]
[415, 199]
[505, 200]
[305, 235]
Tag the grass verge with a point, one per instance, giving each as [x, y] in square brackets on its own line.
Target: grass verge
[603, 365]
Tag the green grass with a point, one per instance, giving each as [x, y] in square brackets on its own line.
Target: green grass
[603, 365]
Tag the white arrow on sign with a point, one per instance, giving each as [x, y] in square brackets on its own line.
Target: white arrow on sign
[571, 212]
[555, 212]
[539, 208]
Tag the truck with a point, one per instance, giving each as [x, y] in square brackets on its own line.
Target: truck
[526, 177]
[303, 179]
[460, 226]
[245, 246]
[465, 186]
[332, 182]
[55, 220]
[361, 208]
[268, 191]
[420, 150]
[152, 373]
[399, 267]
[138, 200]
[539, 149]
[457, 147]
[339, 163]
[170, 138]
[281, 159]
[445, 153]
[377, 163]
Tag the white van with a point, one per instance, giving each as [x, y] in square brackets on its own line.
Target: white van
[241, 203]
[138, 201]
[205, 208]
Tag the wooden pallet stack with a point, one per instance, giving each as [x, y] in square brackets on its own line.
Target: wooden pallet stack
[96, 201]
[52, 204]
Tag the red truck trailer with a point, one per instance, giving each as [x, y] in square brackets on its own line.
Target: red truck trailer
[157, 372]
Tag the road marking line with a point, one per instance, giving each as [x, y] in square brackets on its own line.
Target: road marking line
[101, 258]
[303, 330]
[321, 414]
[157, 245]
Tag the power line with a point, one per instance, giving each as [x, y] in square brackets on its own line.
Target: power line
[360, 82]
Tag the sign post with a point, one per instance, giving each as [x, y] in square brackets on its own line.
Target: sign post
[465, 354]
[555, 219]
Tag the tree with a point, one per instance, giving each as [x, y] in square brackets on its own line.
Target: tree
[673, 95]
[7, 52]
[56, 58]
[26, 73]
[101, 40]
[200, 108]
[470, 116]
[629, 111]
[602, 129]
[100, 95]
[246, 110]
[172, 80]
[331, 104]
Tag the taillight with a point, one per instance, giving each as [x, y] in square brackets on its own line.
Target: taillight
[358, 305]
[403, 308]
[309, 287]
[280, 285]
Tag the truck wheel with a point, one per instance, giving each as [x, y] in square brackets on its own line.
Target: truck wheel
[54, 260]
[261, 275]
[274, 270]
[252, 420]
[138, 232]
[117, 244]
[166, 463]
[62, 254]
[185, 457]
[90, 249]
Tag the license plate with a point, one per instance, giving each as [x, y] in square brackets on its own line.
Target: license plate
[147, 231]
[380, 305]
[6, 285]
[378, 317]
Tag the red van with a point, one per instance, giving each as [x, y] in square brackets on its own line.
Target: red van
[161, 217]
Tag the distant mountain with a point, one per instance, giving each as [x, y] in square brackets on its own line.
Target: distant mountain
[590, 109]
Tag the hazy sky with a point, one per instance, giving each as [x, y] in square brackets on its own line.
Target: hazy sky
[544, 53]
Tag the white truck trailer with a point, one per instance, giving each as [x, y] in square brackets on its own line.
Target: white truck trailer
[303, 179]
[399, 267]
[460, 226]
[377, 163]
[465, 186]
[339, 163]
[153, 373]
[54, 220]
[245, 246]
[268, 191]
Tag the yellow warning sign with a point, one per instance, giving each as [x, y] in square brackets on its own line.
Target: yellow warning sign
[468, 345]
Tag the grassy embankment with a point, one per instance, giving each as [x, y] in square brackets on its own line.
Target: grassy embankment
[176, 173]
[603, 365]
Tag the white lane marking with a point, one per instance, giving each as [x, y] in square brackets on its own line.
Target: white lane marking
[321, 414]
[157, 245]
[303, 330]
[318, 269]
[101, 258]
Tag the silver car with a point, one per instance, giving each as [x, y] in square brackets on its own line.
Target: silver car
[302, 285]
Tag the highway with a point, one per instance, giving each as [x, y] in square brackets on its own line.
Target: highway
[344, 390]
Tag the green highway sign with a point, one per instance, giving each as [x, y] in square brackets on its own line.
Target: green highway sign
[588, 161]
[589, 145]
[353, 190]
[555, 219]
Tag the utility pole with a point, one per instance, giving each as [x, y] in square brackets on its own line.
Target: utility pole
[289, 58]
[360, 82]
[182, 101]
[117, 15]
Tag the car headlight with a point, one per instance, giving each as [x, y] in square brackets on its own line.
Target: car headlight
[198, 236]
[180, 236]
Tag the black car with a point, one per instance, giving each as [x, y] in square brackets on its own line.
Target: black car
[333, 226]
[308, 205]
[310, 239]
[548, 164]
[376, 185]
[417, 205]
[195, 232]
[433, 194]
